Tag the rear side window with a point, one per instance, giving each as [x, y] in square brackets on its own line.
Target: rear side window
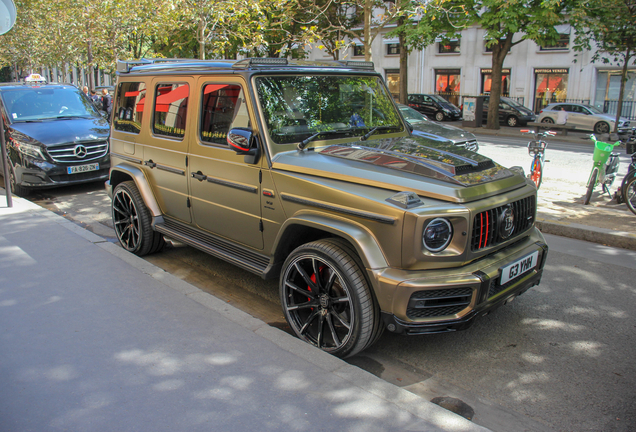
[129, 109]
[171, 108]
[223, 108]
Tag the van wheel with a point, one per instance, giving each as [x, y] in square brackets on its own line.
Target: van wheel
[326, 298]
[439, 116]
[132, 221]
[512, 121]
[16, 189]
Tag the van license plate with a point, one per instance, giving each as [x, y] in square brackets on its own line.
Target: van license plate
[82, 168]
[519, 267]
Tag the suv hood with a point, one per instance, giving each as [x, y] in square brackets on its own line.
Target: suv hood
[452, 133]
[63, 131]
[401, 164]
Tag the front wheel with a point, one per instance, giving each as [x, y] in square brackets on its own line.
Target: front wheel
[326, 298]
[536, 171]
[16, 189]
[601, 128]
[590, 186]
[132, 221]
[547, 120]
[439, 116]
[512, 121]
[629, 194]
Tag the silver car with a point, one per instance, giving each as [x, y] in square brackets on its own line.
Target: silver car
[424, 127]
[584, 117]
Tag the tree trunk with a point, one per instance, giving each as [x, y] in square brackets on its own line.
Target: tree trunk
[499, 51]
[621, 92]
[404, 67]
[201, 39]
[91, 75]
[368, 10]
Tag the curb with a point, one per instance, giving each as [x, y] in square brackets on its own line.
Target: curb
[620, 239]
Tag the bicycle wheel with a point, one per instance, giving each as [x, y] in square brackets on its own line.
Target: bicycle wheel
[591, 183]
[536, 171]
[629, 194]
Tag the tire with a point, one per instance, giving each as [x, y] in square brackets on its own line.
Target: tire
[536, 171]
[132, 221]
[601, 127]
[512, 121]
[16, 189]
[547, 120]
[439, 116]
[327, 300]
[629, 194]
[590, 186]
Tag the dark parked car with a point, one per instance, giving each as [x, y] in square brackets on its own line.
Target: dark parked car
[511, 112]
[434, 106]
[54, 136]
[424, 127]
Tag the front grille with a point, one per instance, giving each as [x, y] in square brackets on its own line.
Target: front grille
[481, 166]
[440, 302]
[67, 153]
[486, 225]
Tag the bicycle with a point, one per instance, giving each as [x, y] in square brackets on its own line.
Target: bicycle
[536, 149]
[627, 192]
[605, 167]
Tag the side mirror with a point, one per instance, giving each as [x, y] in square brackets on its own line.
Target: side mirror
[243, 142]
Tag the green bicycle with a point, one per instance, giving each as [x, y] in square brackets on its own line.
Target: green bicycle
[605, 167]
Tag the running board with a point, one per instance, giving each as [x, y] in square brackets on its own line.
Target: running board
[215, 246]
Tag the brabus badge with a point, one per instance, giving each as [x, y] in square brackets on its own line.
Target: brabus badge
[506, 222]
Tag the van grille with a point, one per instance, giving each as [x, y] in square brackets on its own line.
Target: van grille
[68, 153]
[486, 225]
[436, 303]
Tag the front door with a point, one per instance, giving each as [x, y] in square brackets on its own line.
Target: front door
[225, 190]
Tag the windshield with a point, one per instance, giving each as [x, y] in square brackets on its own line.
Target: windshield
[296, 107]
[412, 116]
[41, 103]
[594, 109]
[511, 102]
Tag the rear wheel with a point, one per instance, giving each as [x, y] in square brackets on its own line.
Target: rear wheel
[547, 120]
[601, 127]
[629, 194]
[590, 186]
[439, 116]
[536, 171]
[326, 298]
[512, 121]
[132, 221]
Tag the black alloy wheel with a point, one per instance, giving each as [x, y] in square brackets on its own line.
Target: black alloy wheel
[326, 298]
[601, 127]
[132, 221]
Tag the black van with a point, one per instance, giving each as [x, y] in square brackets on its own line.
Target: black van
[434, 106]
[54, 136]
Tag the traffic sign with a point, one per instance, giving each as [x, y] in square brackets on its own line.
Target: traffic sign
[7, 15]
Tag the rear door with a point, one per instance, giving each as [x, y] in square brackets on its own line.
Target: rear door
[225, 189]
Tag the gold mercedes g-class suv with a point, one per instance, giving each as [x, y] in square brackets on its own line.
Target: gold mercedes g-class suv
[306, 172]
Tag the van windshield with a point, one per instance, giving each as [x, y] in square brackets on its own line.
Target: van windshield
[296, 107]
[42, 103]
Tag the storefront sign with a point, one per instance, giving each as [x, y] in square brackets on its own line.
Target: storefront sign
[489, 71]
[551, 71]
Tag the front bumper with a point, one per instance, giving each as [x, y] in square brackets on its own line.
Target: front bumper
[39, 174]
[454, 298]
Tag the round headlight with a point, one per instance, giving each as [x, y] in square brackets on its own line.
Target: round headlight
[437, 234]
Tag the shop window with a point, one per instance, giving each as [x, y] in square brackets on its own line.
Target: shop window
[486, 81]
[358, 51]
[129, 108]
[551, 86]
[447, 84]
[393, 82]
[449, 47]
[563, 43]
[223, 108]
[392, 49]
[170, 110]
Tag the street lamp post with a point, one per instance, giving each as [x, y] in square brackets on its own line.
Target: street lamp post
[7, 19]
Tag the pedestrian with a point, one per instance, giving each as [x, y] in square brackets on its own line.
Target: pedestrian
[106, 102]
[94, 97]
[562, 116]
[85, 91]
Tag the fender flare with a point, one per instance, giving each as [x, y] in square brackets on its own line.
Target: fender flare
[364, 242]
[123, 172]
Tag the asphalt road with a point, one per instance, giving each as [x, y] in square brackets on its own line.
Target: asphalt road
[558, 358]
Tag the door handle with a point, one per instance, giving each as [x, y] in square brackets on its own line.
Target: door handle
[150, 163]
[199, 176]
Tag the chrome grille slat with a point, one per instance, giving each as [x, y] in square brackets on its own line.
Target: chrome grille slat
[66, 152]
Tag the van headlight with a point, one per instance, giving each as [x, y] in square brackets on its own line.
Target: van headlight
[29, 149]
[437, 235]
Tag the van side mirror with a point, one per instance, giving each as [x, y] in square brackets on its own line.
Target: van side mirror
[243, 142]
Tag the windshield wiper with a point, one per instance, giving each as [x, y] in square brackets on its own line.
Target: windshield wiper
[303, 143]
[375, 129]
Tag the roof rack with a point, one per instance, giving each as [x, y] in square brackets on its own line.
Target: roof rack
[125, 66]
[260, 61]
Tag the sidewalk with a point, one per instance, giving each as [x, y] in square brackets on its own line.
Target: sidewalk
[563, 213]
[93, 338]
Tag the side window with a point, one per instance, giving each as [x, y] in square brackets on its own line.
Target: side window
[129, 109]
[223, 108]
[171, 108]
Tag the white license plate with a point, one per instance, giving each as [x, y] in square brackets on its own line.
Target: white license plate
[82, 168]
[519, 267]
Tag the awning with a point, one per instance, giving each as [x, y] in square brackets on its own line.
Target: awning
[439, 39]
[357, 42]
[563, 29]
[391, 41]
